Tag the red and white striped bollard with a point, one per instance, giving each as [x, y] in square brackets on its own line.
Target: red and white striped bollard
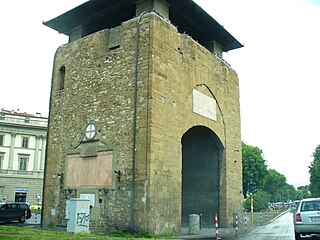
[245, 221]
[217, 226]
[237, 226]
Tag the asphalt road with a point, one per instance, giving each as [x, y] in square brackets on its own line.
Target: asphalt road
[280, 229]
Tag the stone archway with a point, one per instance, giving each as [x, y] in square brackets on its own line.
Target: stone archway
[202, 152]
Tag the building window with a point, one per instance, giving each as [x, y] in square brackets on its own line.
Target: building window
[1, 160]
[1, 140]
[90, 131]
[2, 116]
[27, 119]
[23, 162]
[62, 73]
[25, 142]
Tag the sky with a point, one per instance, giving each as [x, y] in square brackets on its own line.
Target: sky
[278, 70]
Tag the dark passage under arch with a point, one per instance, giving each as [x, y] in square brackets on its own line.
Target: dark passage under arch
[201, 157]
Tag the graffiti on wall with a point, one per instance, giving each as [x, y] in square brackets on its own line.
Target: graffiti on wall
[83, 219]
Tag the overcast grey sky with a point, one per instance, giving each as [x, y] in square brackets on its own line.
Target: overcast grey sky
[278, 70]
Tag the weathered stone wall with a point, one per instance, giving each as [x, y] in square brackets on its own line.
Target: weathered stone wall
[99, 88]
[179, 64]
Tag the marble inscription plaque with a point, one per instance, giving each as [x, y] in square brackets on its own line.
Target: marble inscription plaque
[204, 105]
[89, 171]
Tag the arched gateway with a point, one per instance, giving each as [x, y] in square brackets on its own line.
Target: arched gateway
[202, 152]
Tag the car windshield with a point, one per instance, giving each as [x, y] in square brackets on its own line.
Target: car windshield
[310, 206]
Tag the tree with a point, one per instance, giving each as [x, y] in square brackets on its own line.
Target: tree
[276, 186]
[314, 170]
[292, 192]
[303, 192]
[260, 202]
[269, 181]
[254, 167]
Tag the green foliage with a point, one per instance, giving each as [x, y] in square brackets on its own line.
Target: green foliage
[273, 183]
[303, 192]
[166, 235]
[122, 233]
[26, 233]
[126, 233]
[292, 192]
[19, 230]
[314, 170]
[277, 184]
[144, 234]
[254, 166]
[247, 204]
[260, 202]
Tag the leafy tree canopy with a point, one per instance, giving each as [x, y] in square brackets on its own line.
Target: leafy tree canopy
[314, 170]
[272, 183]
[275, 185]
[254, 166]
[260, 202]
[303, 192]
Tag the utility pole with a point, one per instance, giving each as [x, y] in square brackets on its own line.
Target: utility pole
[252, 189]
[251, 197]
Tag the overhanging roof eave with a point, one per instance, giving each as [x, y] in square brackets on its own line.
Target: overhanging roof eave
[192, 12]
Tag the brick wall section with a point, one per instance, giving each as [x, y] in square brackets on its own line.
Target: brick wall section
[99, 87]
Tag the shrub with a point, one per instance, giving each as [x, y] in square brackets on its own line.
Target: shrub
[260, 202]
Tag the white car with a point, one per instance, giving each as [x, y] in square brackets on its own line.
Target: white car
[306, 217]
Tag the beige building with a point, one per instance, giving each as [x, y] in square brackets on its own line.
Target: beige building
[144, 117]
[22, 155]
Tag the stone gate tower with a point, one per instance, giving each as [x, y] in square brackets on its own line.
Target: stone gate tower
[144, 116]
